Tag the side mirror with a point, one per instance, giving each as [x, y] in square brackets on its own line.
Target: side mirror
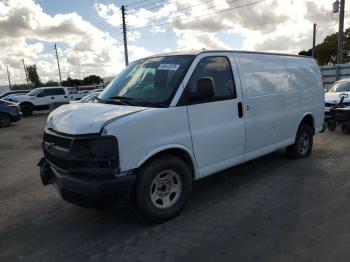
[205, 89]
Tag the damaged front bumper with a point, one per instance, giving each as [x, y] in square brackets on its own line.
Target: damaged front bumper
[93, 191]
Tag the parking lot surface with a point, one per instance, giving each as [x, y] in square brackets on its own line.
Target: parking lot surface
[270, 209]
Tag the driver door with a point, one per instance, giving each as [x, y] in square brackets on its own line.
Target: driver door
[217, 123]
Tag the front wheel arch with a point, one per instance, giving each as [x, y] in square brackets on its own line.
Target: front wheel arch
[184, 153]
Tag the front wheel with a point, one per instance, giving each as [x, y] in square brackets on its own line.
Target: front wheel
[302, 146]
[162, 188]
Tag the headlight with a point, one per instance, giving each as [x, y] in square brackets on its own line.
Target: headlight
[104, 147]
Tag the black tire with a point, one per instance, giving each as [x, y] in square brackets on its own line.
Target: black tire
[301, 148]
[145, 184]
[331, 125]
[345, 128]
[5, 120]
[27, 109]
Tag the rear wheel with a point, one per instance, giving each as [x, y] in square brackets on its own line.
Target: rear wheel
[162, 189]
[5, 120]
[345, 128]
[27, 109]
[302, 146]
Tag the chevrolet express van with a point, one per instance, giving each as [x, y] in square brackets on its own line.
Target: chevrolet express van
[167, 120]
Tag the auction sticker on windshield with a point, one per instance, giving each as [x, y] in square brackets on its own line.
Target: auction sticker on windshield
[172, 67]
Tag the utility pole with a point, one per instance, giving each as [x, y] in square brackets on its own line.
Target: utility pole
[8, 76]
[25, 72]
[58, 64]
[78, 64]
[314, 40]
[124, 37]
[336, 6]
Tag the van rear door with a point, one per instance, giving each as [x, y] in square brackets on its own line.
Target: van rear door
[217, 124]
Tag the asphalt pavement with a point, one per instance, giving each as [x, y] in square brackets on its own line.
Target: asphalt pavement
[270, 209]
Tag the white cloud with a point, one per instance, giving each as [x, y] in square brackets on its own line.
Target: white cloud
[24, 27]
[271, 25]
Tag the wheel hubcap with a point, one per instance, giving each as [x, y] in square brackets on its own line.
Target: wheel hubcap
[166, 189]
[304, 143]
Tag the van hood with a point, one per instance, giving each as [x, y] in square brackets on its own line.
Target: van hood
[333, 97]
[87, 118]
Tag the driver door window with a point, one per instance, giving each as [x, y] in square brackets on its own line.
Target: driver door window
[219, 69]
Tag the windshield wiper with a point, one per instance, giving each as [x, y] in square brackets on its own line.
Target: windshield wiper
[121, 97]
[122, 100]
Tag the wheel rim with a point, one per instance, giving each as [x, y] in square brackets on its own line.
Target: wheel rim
[166, 189]
[304, 143]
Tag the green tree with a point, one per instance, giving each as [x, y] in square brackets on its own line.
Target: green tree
[33, 75]
[326, 52]
[51, 83]
[92, 80]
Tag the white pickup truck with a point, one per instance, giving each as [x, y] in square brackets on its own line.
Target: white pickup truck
[41, 98]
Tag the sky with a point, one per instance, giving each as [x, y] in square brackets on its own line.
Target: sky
[89, 37]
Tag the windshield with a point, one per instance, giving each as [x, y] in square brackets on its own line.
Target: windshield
[34, 92]
[148, 82]
[340, 87]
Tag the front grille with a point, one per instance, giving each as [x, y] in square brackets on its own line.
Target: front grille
[72, 154]
[60, 163]
[58, 141]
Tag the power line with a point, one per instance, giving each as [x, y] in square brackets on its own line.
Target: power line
[149, 4]
[186, 8]
[192, 18]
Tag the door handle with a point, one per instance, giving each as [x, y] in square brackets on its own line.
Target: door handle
[240, 109]
[65, 96]
[52, 97]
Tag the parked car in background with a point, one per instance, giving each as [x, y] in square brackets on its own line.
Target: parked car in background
[41, 98]
[13, 92]
[170, 119]
[335, 94]
[96, 90]
[9, 112]
[12, 97]
[88, 98]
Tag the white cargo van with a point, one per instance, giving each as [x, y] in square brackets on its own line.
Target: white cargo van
[170, 119]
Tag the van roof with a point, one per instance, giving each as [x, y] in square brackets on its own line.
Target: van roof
[198, 52]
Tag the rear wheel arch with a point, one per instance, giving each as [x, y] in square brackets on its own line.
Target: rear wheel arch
[26, 103]
[307, 119]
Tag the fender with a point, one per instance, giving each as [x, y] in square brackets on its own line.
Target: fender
[167, 147]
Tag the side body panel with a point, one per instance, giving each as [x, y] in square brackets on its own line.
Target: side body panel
[274, 105]
[145, 133]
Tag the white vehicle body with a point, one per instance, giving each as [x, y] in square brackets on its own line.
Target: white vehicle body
[41, 98]
[333, 95]
[270, 97]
